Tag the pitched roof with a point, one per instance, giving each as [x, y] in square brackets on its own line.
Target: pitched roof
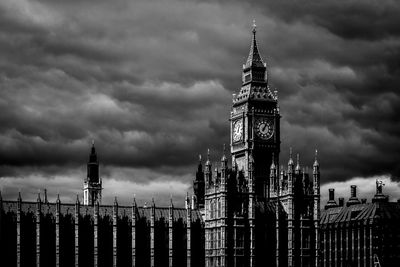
[361, 213]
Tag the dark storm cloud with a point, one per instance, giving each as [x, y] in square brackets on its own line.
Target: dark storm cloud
[151, 82]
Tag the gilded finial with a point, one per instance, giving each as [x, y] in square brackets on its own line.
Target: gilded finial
[254, 26]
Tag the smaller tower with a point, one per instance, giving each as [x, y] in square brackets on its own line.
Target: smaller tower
[92, 185]
[207, 171]
[199, 186]
[316, 210]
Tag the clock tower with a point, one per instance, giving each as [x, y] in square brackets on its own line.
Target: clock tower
[255, 128]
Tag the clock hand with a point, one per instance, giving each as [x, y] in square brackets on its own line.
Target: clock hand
[265, 126]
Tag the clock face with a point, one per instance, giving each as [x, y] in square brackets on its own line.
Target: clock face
[237, 130]
[265, 128]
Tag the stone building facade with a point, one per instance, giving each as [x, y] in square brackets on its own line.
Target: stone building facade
[357, 233]
[59, 234]
[256, 211]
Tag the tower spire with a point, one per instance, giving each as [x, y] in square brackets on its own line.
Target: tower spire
[254, 59]
[316, 164]
[298, 169]
[223, 159]
[290, 163]
[208, 163]
[273, 167]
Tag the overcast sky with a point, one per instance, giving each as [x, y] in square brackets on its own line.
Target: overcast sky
[152, 82]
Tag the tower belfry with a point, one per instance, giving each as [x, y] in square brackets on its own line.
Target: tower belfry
[92, 185]
[255, 121]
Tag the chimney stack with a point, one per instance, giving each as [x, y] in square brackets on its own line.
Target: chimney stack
[353, 196]
[331, 202]
[331, 194]
[341, 201]
[353, 191]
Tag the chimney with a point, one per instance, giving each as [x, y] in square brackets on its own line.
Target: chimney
[331, 202]
[45, 196]
[354, 191]
[331, 194]
[353, 196]
[341, 201]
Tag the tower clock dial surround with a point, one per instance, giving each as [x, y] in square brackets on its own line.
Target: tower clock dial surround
[264, 128]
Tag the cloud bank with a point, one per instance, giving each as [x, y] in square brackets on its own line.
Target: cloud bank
[151, 83]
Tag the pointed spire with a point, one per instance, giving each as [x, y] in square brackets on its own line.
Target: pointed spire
[290, 163]
[171, 204]
[38, 198]
[45, 196]
[77, 199]
[153, 204]
[208, 162]
[19, 195]
[316, 164]
[273, 167]
[187, 201]
[58, 198]
[254, 59]
[298, 169]
[93, 154]
[134, 200]
[115, 201]
[223, 159]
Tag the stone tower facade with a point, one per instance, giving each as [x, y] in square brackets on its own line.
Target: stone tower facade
[92, 185]
[256, 212]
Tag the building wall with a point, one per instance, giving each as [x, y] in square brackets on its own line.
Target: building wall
[361, 233]
[56, 234]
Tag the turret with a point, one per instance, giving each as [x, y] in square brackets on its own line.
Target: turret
[290, 172]
[290, 162]
[207, 170]
[224, 170]
[187, 201]
[198, 185]
[272, 177]
[251, 183]
[92, 185]
[316, 174]
[93, 166]
[305, 182]
[298, 168]
[316, 209]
